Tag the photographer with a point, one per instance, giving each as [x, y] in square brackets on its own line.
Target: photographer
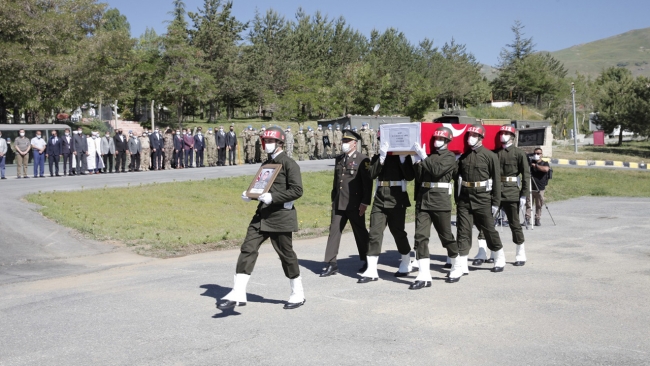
[539, 171]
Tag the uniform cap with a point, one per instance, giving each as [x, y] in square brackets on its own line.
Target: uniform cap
[443, 132]
[249, 126]
[288, 127]
[351, 135]
[330, 125]
[364, 124]
[477, 128]
[508, 128]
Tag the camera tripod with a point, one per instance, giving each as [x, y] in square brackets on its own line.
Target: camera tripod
[543, 201]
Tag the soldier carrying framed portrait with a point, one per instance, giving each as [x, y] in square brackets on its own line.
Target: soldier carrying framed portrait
[263, 180]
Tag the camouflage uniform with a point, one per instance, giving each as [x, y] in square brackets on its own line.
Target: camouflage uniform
[258, 146]
[318, 137]
[330, 135]
[366, 142]
[169, 150]
[373, 145]
[300, 140]
[145, 163]
[211, 148]
[310, 143]
[250, 145]
[289, 147]
[338, 136]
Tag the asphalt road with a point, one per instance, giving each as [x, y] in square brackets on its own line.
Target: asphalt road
[581, 299]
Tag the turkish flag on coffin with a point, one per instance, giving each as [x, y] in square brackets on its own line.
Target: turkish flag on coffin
[459, 143]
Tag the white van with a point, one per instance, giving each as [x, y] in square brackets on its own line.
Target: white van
[617, 131]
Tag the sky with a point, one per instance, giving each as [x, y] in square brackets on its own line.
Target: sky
[483, 26]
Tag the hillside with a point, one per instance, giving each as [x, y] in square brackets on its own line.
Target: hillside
[630, 49]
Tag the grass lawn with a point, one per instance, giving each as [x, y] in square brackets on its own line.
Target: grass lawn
[173, 219]
[633, 151]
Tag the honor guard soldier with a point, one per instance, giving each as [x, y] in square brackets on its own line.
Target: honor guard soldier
[514, 166]
[351, 194]
[477, 201]
[389, 208]
[274, 218]
[433, 189]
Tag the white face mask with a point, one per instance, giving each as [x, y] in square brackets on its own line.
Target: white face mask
[67, 134]
[199, 133]
[38, 136]
[505, 138]
[22, 134]
[472, 140]
[345, 147]
[536, 157]
[178, 133]
[269, 147]
[438, 144]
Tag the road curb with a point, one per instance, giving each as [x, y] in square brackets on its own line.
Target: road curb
[605, 163]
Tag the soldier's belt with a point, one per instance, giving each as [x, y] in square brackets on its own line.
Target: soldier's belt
[508, 179]
[474, 184]
[435, 185]
[392, 183]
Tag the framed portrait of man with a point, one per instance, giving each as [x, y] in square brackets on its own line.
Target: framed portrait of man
[263, 180]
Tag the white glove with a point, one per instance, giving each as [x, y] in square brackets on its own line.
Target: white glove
[402, 158]
[494, 210]
[522, 201]
[416, 159]
[266, 198]
[421, 150]
[383, 151]
[244, 197]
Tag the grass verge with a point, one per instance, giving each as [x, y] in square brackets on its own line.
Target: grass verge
[175, 219]
[634, 151]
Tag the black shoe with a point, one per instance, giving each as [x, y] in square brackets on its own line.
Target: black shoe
[3, 178]
[401, 274]
[367, 279]
[26, 177]
[419, 284]
[489, 260]
[452, 280]
[538, 222]
[294, 305]
[227, 304]
[331, 269]
[478, 262]
[497, 269]
[363, 268]
[447, 266]
[519, 263]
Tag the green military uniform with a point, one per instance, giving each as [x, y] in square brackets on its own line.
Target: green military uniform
[258, 146]
[366, 141]
[328, 148]
[433, 182]
[168, 139]
[302, 145]
[318, 140]
[211, 148]
[390, 203]
[277, 220]
[250, 145]
[310, 144]
[337, 142]
[351, 188]
[514, 163]
[145, 163]
[374, 148]
[474, 200]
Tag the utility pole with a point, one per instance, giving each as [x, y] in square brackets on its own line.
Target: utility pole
[153, 123]
[115, 111]
[575, 123]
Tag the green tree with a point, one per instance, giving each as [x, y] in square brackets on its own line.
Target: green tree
[616, 101]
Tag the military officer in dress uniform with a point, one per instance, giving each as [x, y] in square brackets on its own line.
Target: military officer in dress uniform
[514, 166]
[274, 218]
[433, 189]
[477, 202]
[351, 194]
[389, 208]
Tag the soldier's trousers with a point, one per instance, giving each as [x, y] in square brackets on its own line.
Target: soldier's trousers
[319, 150]
[328, 150]
[282, 243]
[393, 218]
[365, 149]
[167, 158]
[289, 151]
[145, 160]
[340, 218]
[512, 213]
[466, 217]
[441, 221]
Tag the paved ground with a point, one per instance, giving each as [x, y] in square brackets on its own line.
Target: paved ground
[581, 299]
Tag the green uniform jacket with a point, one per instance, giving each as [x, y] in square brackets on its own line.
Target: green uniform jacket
[514, 162]
[392, 170]
[439, 167]
[287, 187]
[352, 185]
[480, 165]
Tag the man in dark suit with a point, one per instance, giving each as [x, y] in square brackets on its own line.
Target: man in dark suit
[67, 147]
[121, 146]
[80, 144]
[157, 148]
[199, 147]
[53, 152]
[221, 147]
[351, 194]
[231, 146]
[188, 148]
[178, 150]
